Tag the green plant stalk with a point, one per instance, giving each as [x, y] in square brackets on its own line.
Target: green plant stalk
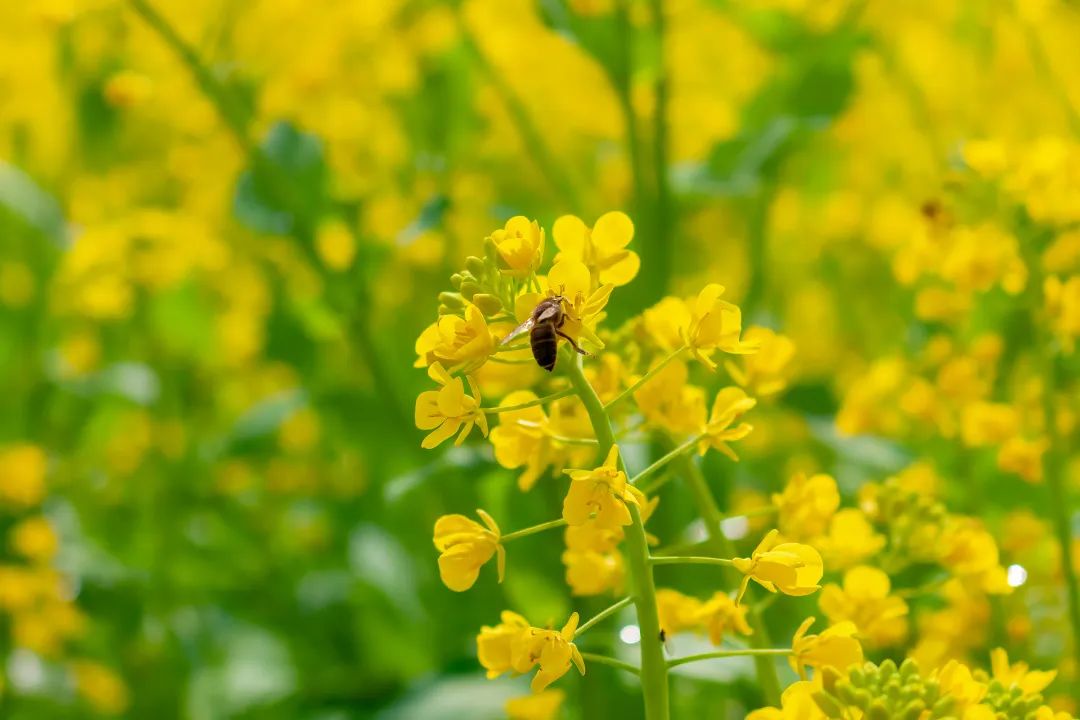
[524, 532]
[664, 217]
[531, 403]
[752, 652]
[610, 662]
[768, 678]
[603, 615]
[690, 560]
[654, 672]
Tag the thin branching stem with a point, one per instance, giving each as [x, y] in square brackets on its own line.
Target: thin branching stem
[531, 403]
[524, 532]
[604, 614]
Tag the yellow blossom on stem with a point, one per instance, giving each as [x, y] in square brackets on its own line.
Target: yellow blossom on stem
[465, 546]
[790, 568]
[521, 438]
[807, 505]
[602, 249]
[1062, 301]
[956, 681]
[582, 305]
[729, 406]
[986, 423]
[552, 651]
[602, 493]
[865, 601]
[722, 616]
[520, 246]
[797, 703]
[593, 563]
[495, 645]
[1018, 675]
[34, 538]
[22, 475]
[715, 324]
[677, 612]
[835, 647]
[540, 706]
[851, 539]
[765, 372]
[458, 342]
[448, 409]
[668, 401]
[665, 323]
[970, 553]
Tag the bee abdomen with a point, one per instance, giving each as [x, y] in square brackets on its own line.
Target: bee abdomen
[544, 345]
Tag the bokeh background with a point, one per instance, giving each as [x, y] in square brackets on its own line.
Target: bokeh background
[223, 225]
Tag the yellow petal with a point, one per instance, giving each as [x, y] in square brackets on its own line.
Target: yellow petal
[569, 278]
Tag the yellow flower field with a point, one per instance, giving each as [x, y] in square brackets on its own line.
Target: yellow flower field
[539, 359]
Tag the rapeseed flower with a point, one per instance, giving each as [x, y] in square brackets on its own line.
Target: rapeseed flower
[540, 706]
[790, 568]
[767, 371]
[602, 494]
[806, 505]
[715, 325]
[797, 703]
[836, 647]
[1018, 675]
[449, 409]
[514, 645]
[457, 342]
[466, 546]
[730, 404]
[520, 246]
[864, 600]
[602, 249]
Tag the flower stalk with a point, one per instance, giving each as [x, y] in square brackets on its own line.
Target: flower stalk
[604, 614]
[525, 532]
[653, 672]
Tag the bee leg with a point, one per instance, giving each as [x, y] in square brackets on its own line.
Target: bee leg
[572, 343]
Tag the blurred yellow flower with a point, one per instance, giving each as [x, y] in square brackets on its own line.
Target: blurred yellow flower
[836, 647]
[448, 409]
[987, 423]
[22, 475]
[1018, 675]
[730, 404]
[722, 616]
[969, 552]
[1023, 457]
[35, 539]
[790, 568]
[850, 540]
[540, 706]
[956, 681]
[466, 546]
[767, 371]
[101, 686]
[521, 438]
[602, 249]
[669, 402]
[335, 245]
[806, 506]
[495, 644]
[602, 494]
[593, 562]
[864, 600]
[715, 324]
[520, 245]
[127, 88]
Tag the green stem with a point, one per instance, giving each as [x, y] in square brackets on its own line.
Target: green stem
[768, 678]
[644, 379]
[689, 560]
[604, 614]
[525, 532]
[654, 683]
[751, 652]
[674, 454]
[660, 260]
[531, 403]
[610, 661]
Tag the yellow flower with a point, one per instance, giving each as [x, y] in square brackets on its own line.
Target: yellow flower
[677, 612]
[34, 538]
[665, 323]
[836, 647]
[460, 343]
[520, 245]
[541, 706]
[722, 616]
[669, 402]
[851, 539]
[448, 409]
[958, 683]
[101, 687]
[791, 568]
[582, 306]
[767, 371]
[522, 438]
[986, 423]
[715, 324]
[807, 505]
[729, 406]
[602, 493]
[797, 703]
[602, 249]
[335, 245]
[465, 546]
[864, 600]
[495, 645]
[552, 651]
[1063, 307]
[969, 552]
[1018, 675]
[1023, 457]
[593, 563]
[22, 475]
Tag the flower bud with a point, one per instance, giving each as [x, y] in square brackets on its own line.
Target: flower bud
[488, 304]
[475, 265]
[452, 300]
[455, 280]
[469, 288]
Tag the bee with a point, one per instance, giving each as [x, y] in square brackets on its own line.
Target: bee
[543, 328]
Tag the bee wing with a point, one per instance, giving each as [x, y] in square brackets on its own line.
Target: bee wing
[548, 313]
[519, 330]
